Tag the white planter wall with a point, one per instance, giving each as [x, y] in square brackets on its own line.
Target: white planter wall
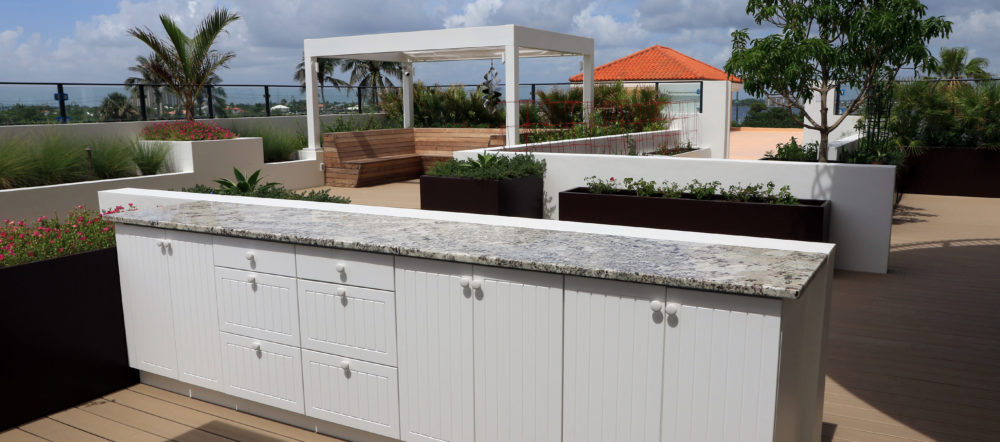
[861, 195]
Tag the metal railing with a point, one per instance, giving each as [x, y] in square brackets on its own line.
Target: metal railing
[61, 103]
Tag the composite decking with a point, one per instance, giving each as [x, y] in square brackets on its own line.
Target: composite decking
[913, 355]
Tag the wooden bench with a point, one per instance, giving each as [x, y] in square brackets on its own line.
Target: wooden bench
[366, 158]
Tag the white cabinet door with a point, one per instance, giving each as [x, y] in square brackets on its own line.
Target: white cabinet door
[351, 392]
[262, 371]
[434, 320]
[258, 305]
[518, 354]
[350, 321]
[613, 360]
[192, 291]
[720, 374]
[145, 283]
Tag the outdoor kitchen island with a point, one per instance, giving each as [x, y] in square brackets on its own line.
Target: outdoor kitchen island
[366, 326]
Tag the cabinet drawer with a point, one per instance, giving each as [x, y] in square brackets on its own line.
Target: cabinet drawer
[262, 371]
[259, 256]
[351, 392]
[258, 305]
[350, 321]
[345, 267]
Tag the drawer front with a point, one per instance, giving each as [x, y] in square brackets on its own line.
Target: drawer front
[350, 321]
[259, 256]
[262, 371]
[258, 305]
[351, 392]
[349, 267]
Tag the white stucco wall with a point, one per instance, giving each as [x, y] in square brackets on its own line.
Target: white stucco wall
[861, 195]
[844, 130]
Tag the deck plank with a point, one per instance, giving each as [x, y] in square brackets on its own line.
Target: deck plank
[50, 429]
[102, 427]
[150, 423]
[19, 435]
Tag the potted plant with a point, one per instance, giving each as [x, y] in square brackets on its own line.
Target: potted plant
[60, 314]
[489, 184]
[753, 210]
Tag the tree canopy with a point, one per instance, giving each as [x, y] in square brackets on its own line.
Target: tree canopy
[822, 44]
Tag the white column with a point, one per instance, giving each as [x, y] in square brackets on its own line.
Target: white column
[407, 95]
[313, 127]
[510, 93]
[588, 85]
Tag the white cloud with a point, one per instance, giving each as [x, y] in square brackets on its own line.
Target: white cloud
[606, 29]
[477, 13]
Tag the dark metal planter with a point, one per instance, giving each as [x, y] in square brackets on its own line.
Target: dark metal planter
[953, 171]
[807, 221]
[63, 333]
[513, 197]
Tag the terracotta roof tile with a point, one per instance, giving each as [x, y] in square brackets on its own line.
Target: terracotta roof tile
[656, 63]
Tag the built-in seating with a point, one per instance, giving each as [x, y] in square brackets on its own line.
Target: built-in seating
[366, 158]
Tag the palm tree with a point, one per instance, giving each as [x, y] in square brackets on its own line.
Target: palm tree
[148, 79]
[953, 64]
[373, 75]
[116, 107]
[327, 67]
[185, 63]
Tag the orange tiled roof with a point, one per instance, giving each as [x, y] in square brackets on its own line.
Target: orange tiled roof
[656, 63]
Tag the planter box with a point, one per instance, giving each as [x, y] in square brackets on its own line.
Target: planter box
[807, 221]
[514, 197]
[64, 335]
[953, 171]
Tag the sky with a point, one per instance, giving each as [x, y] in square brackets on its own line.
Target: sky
[86, 40]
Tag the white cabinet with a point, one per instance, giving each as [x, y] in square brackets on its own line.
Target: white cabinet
[434, 314]
[351, 392]
[258, 305]
[340, 266]
[262, 371]
[350, 321]
[479, 352]
[721, 367]
[169, 299]
[614, 360]
[145, 283]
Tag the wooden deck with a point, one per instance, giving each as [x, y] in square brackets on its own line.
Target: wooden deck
[913, 355]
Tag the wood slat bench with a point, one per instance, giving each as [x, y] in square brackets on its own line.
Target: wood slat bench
[367, 158]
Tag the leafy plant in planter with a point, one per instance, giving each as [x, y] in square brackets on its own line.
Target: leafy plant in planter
[793, 151]
[488, 184]
[252, 186]
[48, 238]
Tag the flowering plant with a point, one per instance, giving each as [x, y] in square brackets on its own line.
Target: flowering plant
[186, 131]
[47, 238]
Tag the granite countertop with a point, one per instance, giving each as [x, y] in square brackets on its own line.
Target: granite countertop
[711, 267]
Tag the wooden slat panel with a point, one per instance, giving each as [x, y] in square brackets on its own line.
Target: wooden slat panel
[57, 431]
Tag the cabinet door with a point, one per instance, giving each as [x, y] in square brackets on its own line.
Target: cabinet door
[351, 392]
[258, 305]
[142, 262]
[720, 375]
[434, 321]
[192, 291]
[262, 371]
[518, 354]
[350, 321]
[613, 360]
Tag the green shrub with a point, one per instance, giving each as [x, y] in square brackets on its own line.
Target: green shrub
[755, 193]
[279, 145]
[150, 157]
[48, 238]
[941, 114]
[371, 123]
[793, 151]
[59, 160]
[252, 186]
[112, 159]
[490, 167]
[17, 164]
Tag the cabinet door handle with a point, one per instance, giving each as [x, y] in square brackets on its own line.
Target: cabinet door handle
[250, 256]
[159, 243]
[656, 305]
[340, 267]
[345, 364]
[255, 345]
[464, 282]
[672, 308]
[341, 291]
[251, 278]
[476, 284]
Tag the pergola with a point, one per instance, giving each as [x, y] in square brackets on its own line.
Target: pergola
[507, 42]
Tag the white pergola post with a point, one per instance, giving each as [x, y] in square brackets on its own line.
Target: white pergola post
[312, 106]
[511, 98]
[407, 95]
[588, 85]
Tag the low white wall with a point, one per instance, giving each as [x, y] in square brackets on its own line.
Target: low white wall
[195, 162]
[642, 142]
[845, 129]
[132, 129]
[861, 195]
[703, 152]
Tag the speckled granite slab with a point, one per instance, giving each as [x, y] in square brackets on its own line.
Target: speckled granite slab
[711, 267]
